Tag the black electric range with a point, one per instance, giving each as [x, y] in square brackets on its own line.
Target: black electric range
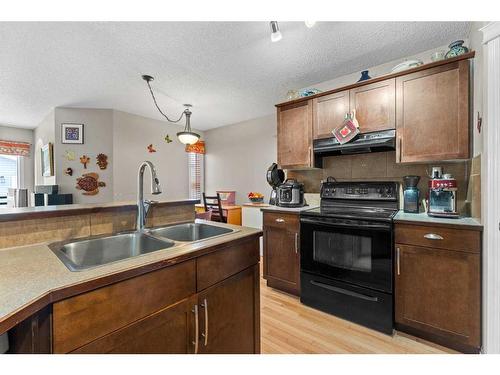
[347, 247]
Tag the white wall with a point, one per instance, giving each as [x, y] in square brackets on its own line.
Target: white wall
[98, 138]
[238, 156]
[43, 134]
[132, 134]
[8, 133]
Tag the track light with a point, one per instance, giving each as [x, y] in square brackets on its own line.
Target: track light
[275, 31]
[310, 24]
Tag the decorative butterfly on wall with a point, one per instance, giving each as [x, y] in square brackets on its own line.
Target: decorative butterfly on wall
[167, 139]
[151, 148]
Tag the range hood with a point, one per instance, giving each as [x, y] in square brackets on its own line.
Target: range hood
[363, 143]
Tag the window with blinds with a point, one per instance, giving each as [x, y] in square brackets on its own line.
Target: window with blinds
[196, 170]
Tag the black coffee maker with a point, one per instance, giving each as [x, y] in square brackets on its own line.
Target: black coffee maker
[275, 178]
[411, 194]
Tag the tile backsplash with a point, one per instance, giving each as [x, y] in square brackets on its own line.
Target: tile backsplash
[382, 166]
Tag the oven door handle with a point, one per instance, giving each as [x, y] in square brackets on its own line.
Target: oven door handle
[344, 291]
[346, 225]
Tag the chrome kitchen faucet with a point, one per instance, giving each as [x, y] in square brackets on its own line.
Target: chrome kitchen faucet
[144, 205]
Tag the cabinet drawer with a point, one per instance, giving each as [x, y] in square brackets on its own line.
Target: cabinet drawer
[217, 266]
[81, 319]
[281, 220]
[439, 237]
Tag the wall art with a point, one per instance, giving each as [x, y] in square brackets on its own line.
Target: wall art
[89, 183]
[68, 171]
[151, 148]
[167, 138]
[72, 133]
[84, 159]
[102, 161]
[69, 155]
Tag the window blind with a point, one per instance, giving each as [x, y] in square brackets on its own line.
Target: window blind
[196, 171]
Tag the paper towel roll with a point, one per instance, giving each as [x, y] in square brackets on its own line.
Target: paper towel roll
[4, 343]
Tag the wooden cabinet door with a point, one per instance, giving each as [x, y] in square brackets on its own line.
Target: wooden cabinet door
[432, 114]
[438, 292]
[375, 106]
[328, 113]
[169, 331]
[294, 135]
[229, 315]
[281, 254]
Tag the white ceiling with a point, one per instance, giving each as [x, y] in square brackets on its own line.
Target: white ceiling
[230, 71]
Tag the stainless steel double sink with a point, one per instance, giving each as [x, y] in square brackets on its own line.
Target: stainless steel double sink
[89, 253]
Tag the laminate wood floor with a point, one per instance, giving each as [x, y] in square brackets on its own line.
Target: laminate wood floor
[288, 327]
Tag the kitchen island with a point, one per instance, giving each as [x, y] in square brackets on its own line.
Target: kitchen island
[194, 297]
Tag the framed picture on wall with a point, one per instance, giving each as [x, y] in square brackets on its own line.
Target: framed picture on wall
[47, 160]
[72, 133]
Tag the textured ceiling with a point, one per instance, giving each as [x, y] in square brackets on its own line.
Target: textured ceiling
[230, 71]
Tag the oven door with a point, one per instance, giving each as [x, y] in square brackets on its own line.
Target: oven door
[354, 251]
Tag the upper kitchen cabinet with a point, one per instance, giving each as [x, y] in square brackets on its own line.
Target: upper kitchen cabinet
[295, 135]
[375, 106]
[328, 113]
[432, 109]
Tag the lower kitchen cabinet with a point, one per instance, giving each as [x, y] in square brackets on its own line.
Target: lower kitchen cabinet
[208, 304]
[281, 251]
[438, 290]
[227, 315]
[167, 331]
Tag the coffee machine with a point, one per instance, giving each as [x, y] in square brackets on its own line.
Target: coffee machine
[411, 194]
[442, 195]
[275, 178]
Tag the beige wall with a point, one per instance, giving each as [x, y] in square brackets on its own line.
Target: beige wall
[98, 138]
[43, 134]
[8, 133]
[132, 134]
[238, 156]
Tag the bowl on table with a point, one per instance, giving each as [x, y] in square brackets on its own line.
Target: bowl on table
[256, 199]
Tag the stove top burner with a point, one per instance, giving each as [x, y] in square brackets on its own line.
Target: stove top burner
[373, 213]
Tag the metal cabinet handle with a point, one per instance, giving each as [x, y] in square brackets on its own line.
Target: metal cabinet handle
[196, 329]
[205, 334]
[400, 141]
[280, 220]
[433, 236]
[296, 243]
[398, 264]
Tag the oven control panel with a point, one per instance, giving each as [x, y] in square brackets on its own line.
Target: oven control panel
[365, 191]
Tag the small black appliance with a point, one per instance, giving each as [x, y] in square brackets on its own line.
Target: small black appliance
[275, 178]
[411, 194]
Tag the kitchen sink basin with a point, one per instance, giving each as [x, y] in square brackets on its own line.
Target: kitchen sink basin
[190, 232]
[85, 254]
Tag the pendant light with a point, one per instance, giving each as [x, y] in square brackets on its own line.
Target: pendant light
[275, 31]
[188, 137]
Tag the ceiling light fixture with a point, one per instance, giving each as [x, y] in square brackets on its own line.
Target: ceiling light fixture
[275, 31]
[188, 137]
[310, 24]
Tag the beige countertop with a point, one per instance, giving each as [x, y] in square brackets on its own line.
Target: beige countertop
[30, 274]
[423, 218]
[8, 214]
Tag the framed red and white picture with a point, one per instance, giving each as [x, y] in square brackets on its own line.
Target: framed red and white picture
[72, 133]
